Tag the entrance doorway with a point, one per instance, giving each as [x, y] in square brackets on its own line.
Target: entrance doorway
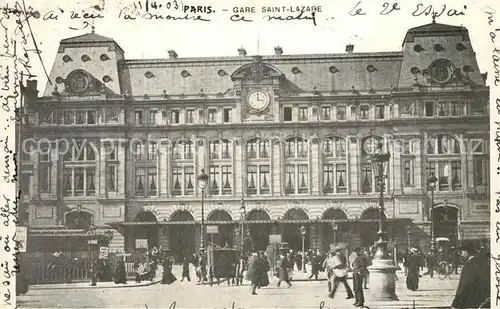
[291, 231]
[446, 222]
[149, 232]
[224, 238]
[259, 232]
[182, 235]
[333, 234]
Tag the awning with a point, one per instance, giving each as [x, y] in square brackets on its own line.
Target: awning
[65, 233]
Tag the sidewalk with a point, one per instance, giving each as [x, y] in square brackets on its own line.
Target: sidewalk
[100, 285]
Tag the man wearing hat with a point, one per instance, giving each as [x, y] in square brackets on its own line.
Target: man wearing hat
[413, 264]
[474, 286]
[340, 273]
[358, 269]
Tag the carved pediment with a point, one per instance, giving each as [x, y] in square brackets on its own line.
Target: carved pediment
[256, 71]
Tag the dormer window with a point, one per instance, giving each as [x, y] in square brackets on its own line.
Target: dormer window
[78, 82]
[441, 70]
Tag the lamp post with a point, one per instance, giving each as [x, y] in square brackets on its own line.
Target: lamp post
[303, 234]
[202, 184]
[242, 231]
[383, 270]
[431, 186]
[91, 232]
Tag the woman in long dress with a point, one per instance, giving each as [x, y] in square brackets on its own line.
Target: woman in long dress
[168, 277]
[264, 280]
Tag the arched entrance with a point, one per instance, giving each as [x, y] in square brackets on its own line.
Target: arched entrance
[333, 235]
[369, 229]
[182, 235]
[148, 232]
[446, 222]
[225, 236]
[291, 231]
[259, 232]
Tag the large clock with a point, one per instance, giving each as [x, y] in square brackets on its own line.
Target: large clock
[258, 100]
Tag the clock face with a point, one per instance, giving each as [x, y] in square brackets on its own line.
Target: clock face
[258, 100]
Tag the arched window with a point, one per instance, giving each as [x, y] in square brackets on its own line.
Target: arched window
[444, 161]
[183, 177]
[79, 172]
[258, 166]
[334, 165]
[296, 166]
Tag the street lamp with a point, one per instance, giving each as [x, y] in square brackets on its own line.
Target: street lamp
[431, 186]
[242, 218]
[202, 184]
[91, 232]
[383, 270]
[303, 233]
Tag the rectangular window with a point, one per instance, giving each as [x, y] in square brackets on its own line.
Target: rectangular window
[380, 111]
[188, 150]
[341, 112]
[429, 109]
[80, 117]
[289, 179]
[303, 179]
[251, 150]
[140, 181]
[264, 172]
[91, 116]
[264, 149]
[189, 180]
[364, 112]
[456, 175]
[457, 109]
[214, 180]
[227, 180]
[431, 169]
[477, 107]
[90, 180]
[302, 113]
[341, 181]
[443, 176]
[480, 171]
[354, 111]
[441, 109]
[290, 149]
[79, 181]
[68, 182]
[152, 116]
[190, 116]
[69, 117]
[111, 177]
[139, 151]
[228, 114]
[212, 115]
[24, 183]
[328, 180]
[138, 117]
[340, 146]
[226, 149]
[406, 147]
[287, 114]
[325, 113]
[152, 184]
[152, 151]
[302, 148]
[407, 173]
[45, 116]
[174, 116]
[177, 181]
[111, 115]
[366, 178]
[251, 179]
[214, 150]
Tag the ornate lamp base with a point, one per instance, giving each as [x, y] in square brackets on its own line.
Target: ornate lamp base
[383, 280]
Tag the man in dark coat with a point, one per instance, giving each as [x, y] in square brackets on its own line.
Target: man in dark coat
[413, 264]
[185, 269]
[254, 273]
[474, 285]
[168, 277]
[264, 279]
[358, 270]
[431, 263]
[298, 261]
[314, 266]
[120, 274]
[283, 266]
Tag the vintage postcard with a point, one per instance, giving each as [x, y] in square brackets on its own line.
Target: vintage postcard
[250, 154]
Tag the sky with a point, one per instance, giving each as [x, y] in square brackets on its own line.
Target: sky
[334, 28]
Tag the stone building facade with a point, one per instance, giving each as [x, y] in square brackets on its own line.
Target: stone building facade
[285, 141]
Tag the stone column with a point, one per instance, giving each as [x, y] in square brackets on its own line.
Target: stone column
[101, 173]
[163, 170]
[353, 154]
[278, 168]
[314, 172]
[56, 169]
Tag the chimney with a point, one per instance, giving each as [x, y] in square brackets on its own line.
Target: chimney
[242, 52]
[349, 48]
[31, 89]
[278, 51]
[172, 54]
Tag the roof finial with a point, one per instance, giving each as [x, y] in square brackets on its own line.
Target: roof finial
[93, 26]
[433, 17]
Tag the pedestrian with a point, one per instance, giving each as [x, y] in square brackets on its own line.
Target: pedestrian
[473, 288]
[298, 260]
[431, 263]
[283, 266]
[340, 273]
[254, 273]
[168, 277]
[366, 275]
[413, 265]
[328, 265]
[120, 274]
[185, 269]
[264, 279]
[314, 266]
[201, 270]
[358, 270]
